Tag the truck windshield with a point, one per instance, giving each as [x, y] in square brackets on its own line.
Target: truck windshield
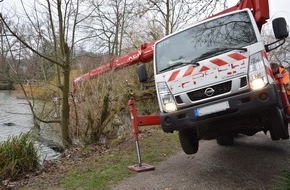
[203, 41]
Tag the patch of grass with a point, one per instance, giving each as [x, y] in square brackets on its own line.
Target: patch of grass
[111, 168]
[17, 156]
[282, 181]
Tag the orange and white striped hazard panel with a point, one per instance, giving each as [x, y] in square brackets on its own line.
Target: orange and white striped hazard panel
[226, 63]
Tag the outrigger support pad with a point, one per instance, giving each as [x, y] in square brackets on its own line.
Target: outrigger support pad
[140, 167]
[135, 121]
[143, 168]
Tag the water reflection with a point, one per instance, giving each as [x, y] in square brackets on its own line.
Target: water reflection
[16, 118]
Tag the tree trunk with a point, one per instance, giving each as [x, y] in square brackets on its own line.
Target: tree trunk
[167, 20]
[67, 142]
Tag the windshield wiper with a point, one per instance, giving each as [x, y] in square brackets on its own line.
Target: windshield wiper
[233, 48]
[192, 62]
[218, 51]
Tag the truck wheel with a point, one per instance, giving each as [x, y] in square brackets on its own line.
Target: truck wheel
[225, 140]
[188, 140]
[278, 124]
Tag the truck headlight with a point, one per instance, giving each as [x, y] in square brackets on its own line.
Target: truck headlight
[257, 72]
[166, 98]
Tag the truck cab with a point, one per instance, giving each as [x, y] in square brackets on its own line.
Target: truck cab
[214, 81]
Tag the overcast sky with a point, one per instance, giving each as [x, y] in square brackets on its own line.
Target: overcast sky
[278, 8]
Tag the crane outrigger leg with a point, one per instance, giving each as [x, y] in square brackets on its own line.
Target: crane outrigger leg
[140, 121]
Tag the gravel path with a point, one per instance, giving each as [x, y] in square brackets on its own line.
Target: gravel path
[252, 163]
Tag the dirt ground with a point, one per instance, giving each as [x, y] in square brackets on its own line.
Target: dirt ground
[50, 173]
[252, 163]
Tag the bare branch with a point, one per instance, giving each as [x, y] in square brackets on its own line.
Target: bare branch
[26, 44]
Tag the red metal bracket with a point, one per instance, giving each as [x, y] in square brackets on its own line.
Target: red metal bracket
[140, 121]
[283, 93]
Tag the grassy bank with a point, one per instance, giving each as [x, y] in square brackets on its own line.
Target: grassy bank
[99, 168]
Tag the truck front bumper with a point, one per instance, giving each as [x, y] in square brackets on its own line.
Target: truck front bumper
[248, 103]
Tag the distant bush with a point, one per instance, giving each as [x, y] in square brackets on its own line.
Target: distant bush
[17, 156]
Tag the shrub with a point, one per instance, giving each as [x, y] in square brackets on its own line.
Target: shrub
[17, 156]
[101, 108]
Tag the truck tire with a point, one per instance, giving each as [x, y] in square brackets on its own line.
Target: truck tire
[225, 140]
[278, 124]
[188, 140]
[286, 126]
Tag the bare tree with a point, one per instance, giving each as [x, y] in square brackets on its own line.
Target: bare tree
[111, 20]
[5, 79]
[173, 15]
[54, 25]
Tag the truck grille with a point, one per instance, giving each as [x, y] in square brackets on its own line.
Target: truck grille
[218, 89]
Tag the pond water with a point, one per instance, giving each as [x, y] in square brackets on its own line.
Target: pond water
[16, 118]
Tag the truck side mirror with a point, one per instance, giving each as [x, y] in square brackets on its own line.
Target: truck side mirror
[142, 73]
[281, 33]
[280, 28]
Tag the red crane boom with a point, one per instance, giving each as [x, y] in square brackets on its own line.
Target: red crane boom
[259, 8]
